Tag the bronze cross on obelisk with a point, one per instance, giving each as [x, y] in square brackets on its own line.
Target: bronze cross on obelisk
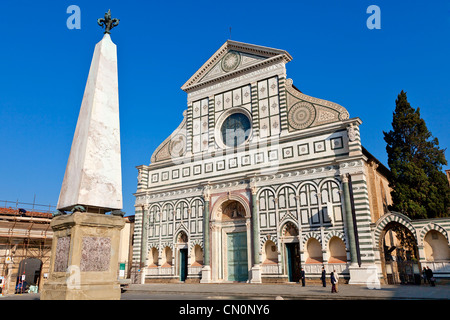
[108, 22]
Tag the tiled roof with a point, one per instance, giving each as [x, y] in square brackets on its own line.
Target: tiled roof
[15, 212]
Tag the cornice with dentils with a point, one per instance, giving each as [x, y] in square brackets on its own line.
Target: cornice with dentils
[272, 54]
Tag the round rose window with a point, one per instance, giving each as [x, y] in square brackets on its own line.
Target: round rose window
[235, 129]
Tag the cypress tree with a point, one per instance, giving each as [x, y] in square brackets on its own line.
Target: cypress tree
[419, 187]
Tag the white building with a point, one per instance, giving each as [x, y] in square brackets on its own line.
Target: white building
[258, 180]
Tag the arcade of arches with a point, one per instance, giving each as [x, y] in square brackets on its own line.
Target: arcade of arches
[402, 255]
[407, 247]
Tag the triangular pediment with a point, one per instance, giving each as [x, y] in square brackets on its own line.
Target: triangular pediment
[231, 59]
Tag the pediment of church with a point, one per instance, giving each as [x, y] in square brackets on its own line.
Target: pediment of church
[232, 59]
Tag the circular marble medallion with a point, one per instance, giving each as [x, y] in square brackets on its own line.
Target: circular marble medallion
[177, 146]
[231, 61]
[301, 115]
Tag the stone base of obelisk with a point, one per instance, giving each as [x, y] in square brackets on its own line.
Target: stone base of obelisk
[84, 260]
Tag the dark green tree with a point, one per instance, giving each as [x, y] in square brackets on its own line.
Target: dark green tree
[419, 187]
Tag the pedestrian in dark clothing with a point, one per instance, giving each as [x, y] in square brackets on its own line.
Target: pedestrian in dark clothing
[302, 276]
[430, 277]
[333, 283]
[424, 275]
[323, 277]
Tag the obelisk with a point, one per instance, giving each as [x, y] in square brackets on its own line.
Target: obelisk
[84, 261]
[93, 174]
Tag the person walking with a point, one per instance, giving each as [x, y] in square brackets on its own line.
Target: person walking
[302, 276]
[430, 277]
[323, 277]
[424, 275]
[336, 277]
[333, 283]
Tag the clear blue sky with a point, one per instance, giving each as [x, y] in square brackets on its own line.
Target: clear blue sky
[44, 67]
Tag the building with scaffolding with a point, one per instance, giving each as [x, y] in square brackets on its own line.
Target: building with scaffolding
[25, 245]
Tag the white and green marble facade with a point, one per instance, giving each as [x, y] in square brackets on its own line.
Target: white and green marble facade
[291, 171]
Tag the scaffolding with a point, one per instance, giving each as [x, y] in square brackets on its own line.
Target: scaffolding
[24, 234]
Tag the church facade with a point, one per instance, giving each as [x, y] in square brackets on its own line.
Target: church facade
[258, 181]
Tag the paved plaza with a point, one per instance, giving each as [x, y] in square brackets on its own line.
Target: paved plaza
[287, 291]
[244, 291]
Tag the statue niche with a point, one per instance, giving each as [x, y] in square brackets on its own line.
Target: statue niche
[182, 237]
[232, 210]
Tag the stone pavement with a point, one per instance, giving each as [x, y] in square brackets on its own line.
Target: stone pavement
[243, 291]
[294, 291]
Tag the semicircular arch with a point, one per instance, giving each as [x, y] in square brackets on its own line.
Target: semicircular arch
[393, 217]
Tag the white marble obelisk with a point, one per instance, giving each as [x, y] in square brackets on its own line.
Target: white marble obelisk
[85, 245]
[93, 175]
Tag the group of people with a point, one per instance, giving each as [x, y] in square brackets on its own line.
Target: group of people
[334, 278]
[427, 275]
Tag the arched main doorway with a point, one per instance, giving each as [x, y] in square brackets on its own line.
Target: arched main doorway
[29, 273]
[230, 242]
[399, 254]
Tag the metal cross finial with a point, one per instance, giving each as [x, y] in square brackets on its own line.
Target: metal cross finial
[108, 22]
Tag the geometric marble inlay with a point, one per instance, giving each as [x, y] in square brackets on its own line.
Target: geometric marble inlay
[95, 254]
[62, 254]
[301, 115]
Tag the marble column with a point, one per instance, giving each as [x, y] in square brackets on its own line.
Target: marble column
[206, 270]
[256, 269]
[349, 221]
[366, 273]
[144, 237]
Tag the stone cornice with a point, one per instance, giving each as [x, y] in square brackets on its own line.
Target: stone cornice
[273, 55]
[288, 175]
[235, 73]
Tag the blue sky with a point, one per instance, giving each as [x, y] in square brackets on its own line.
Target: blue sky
[44, 68]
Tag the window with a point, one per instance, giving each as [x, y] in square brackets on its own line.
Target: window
[182, 211]
[331, 202]
[309, 205]
[196, 210]
[235, 129]
[267, 209]
[286, 199]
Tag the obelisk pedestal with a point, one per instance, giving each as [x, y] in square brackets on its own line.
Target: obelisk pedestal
[84, 262]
